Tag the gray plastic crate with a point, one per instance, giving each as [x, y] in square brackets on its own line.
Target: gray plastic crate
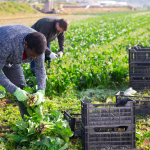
[107, 114]
[139, 67]
[139, 55]
[139, 70]
[140, 83]
[74, 123]
[142, 105]
[108, 138]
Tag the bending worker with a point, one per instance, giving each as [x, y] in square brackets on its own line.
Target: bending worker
[21, 44]
[52, 27]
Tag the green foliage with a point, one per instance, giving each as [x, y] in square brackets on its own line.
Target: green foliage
[8, 115]
[30, 79]
[113, 13]
[49, 132]
[75, 144]
[97, 52]
[142, 130]
[99, 95]
[15, 8]
[147, 135]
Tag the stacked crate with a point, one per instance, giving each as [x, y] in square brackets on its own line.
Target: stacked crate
[139, 68]
[142, 105]
[74, 120]
[107, 127]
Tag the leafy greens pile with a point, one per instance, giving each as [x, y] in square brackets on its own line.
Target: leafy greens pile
[43, 130]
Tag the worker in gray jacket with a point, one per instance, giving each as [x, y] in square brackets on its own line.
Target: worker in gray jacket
[52, 27]
[21, 44]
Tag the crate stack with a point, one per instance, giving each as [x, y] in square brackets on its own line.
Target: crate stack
[139, 68]
[142, 105]
[107, 127]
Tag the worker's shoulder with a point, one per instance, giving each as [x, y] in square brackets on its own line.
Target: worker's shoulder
[16, 29]
[46, 22]
[51, 18]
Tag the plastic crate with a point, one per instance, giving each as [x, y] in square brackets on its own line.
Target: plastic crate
[139, 55]
[140, 83]
[107, 114]
[108, 138]
[139, 67]
[74, 122]
[139, 70]
[142, 105]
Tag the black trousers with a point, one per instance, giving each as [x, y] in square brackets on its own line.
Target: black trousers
[16, 76]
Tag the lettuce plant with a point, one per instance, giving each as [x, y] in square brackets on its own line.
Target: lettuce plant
[42, 129]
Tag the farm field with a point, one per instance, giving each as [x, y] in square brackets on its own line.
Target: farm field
[94, 66]
[31, 19]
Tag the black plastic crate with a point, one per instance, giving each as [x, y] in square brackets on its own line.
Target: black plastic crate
[142, 105]
[140, 83]
[139, 70]
[108, 138]
[74, 122]
[107, 114]
[139, 55]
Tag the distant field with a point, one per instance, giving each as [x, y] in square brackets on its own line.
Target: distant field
[31, 19]
[16, 9]
[11, 9]
[72, 10]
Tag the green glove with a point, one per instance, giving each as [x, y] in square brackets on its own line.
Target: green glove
[21, 95]
[40, 96]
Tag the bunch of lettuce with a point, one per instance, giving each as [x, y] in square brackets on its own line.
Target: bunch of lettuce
[32, 108]
[43, 131]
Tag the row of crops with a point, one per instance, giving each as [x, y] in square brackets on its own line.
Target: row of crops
[97, 51]
[91, 59]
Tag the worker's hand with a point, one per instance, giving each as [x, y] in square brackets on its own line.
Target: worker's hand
[21, 95]
[53, 55]
[60, 54]
[40, 97]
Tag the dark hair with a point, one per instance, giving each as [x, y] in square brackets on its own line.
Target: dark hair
[36, 41]
[64, 23]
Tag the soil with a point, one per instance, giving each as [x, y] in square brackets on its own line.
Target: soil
[4, 129]
[146, 142]
[5, 101]
[30, 20]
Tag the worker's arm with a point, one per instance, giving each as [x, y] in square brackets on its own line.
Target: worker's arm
[61, 41]
[4, 81]
[40, 72]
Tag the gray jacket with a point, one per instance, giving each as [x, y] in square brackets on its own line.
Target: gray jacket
[47, 26]
[12, 38]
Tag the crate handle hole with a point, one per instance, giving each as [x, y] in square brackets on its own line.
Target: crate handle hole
[111, 129]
